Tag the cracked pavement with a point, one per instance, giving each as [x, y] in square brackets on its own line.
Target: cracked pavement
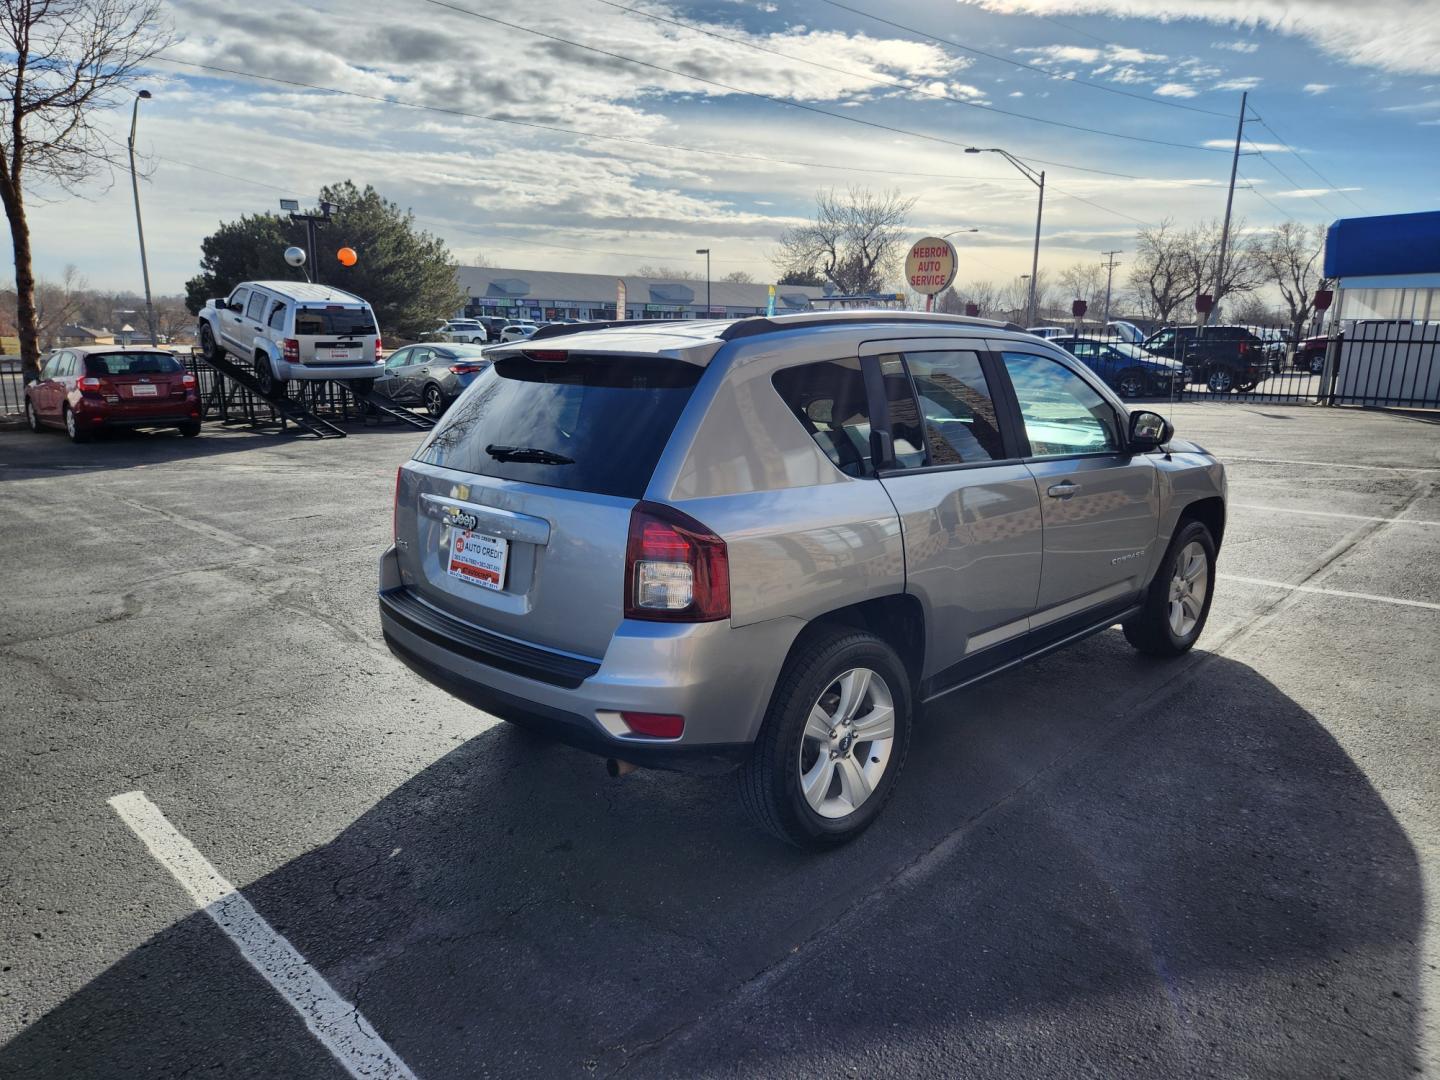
[1097, 865]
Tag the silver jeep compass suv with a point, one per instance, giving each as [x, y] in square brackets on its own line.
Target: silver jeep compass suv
[769, 542]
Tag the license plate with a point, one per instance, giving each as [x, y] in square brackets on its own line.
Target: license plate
[478, 559]
[143, 390]
[343, 354]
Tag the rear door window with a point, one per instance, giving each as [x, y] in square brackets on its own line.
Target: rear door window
[588, 423]
[256, 308]
[334, 321]
[961, 426]
[828, 398]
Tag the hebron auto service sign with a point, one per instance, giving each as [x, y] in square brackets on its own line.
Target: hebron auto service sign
[930, 265]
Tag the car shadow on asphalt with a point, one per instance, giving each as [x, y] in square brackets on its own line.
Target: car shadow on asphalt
[1193, 880]
[25, 454]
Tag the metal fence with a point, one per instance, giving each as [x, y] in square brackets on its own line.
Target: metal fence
[1392, 363]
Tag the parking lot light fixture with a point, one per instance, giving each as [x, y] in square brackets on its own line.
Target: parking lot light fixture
[143, 95]
[1038, 179]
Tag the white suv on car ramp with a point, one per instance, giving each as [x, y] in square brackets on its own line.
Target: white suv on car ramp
[766, 543]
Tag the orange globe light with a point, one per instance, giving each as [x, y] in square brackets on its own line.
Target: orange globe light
[347, 256]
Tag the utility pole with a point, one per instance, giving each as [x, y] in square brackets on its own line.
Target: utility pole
[1229, 200]
[1109, 275]
[310, 220]
[1038, 179]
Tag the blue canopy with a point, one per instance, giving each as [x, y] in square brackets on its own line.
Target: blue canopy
[1390, 245]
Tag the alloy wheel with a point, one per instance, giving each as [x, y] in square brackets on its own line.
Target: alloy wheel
[434, 402]
[1188, 588]
[1131, 386]
[1220, 381]
[845, 748]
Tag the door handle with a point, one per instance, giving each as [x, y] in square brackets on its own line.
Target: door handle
[1062, 490]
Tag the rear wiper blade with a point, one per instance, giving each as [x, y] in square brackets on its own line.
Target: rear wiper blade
[527, 453]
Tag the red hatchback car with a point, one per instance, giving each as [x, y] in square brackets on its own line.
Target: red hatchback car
[90, 389]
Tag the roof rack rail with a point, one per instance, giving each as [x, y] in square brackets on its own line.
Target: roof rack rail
[762, 324]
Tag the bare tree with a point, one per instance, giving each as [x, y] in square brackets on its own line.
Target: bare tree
[983, 294]
[668, 273]
[62, 63]
[739, 277]
[1290, 255]
[1083, 281]
[1201, 257]
[57, 303]
[856, 240]
[1158, 274]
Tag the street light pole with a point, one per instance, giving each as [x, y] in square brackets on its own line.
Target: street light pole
[143, 95]
[1038, 179]
[709, 313]
[1109, 276]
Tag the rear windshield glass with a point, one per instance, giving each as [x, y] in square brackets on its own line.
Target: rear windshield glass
[132, 363]
[312, 321]
[587, 423]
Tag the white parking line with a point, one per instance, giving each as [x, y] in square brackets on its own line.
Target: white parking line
[1333, 514]
[1331, 592]
[1329, 464]
[331, 1019]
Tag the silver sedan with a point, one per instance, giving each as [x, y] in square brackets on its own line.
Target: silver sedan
[432, 375]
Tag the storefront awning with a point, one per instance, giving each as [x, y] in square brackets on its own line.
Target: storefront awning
[1397, 247]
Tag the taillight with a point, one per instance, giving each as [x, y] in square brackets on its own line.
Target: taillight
[88, 385]
[466, 369]
[676, 570]
[548, 356]
[1244, 348]
[654, 725]
[290, 350]
[188, 381]
[395, 508]
[377, 348]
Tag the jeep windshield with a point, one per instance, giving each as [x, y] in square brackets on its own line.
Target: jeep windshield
[333, 320]
[587, 423]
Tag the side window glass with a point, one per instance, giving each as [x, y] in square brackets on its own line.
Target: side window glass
[256, 308]
[67, 365]
[277, 316]
[828, 398]
[399, 359]
[959, 416]
[48, 371]
[1063, 414]
[421, 356]
[239, 296]
[904, 414]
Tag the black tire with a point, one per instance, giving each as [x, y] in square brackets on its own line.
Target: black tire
[73, 428]
[434, 401]
[31, 416]
[1317, 364]
[770, 787]
[1151, 631]
[1130, 383]
[190, 431]
[1220, 380]
[208, 348]
[265, 375]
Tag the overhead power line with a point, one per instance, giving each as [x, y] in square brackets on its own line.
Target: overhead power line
[1263, 156]
[882, 81]
[1303, 161]
[1036, 68]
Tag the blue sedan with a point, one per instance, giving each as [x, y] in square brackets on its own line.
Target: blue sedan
[1128, 369]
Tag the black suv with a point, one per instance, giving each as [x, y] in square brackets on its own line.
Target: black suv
[1224, 358]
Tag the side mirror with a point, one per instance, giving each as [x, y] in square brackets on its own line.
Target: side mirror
[1149, 431]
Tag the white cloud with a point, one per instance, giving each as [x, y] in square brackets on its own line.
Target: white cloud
[1317, 87]
[1173, 89]
[1237, 46]
[1249, 82]
[1311, 193]
[1263, 147]
[1397, 36]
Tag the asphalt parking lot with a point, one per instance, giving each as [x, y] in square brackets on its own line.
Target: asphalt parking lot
[1100, 865]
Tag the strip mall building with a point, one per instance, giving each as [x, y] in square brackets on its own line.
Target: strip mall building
[548, 294]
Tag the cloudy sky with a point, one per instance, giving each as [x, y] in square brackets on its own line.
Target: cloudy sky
[681, 125]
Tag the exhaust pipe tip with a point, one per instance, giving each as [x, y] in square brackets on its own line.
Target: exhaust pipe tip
[617, 768]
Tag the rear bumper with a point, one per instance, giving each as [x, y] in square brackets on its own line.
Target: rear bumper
[718, 677]
[164, 413]
[317, 372]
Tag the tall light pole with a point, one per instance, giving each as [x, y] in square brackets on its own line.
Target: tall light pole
[1027, 277]
[709, 314]
[143, 95]
[1038, 179]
